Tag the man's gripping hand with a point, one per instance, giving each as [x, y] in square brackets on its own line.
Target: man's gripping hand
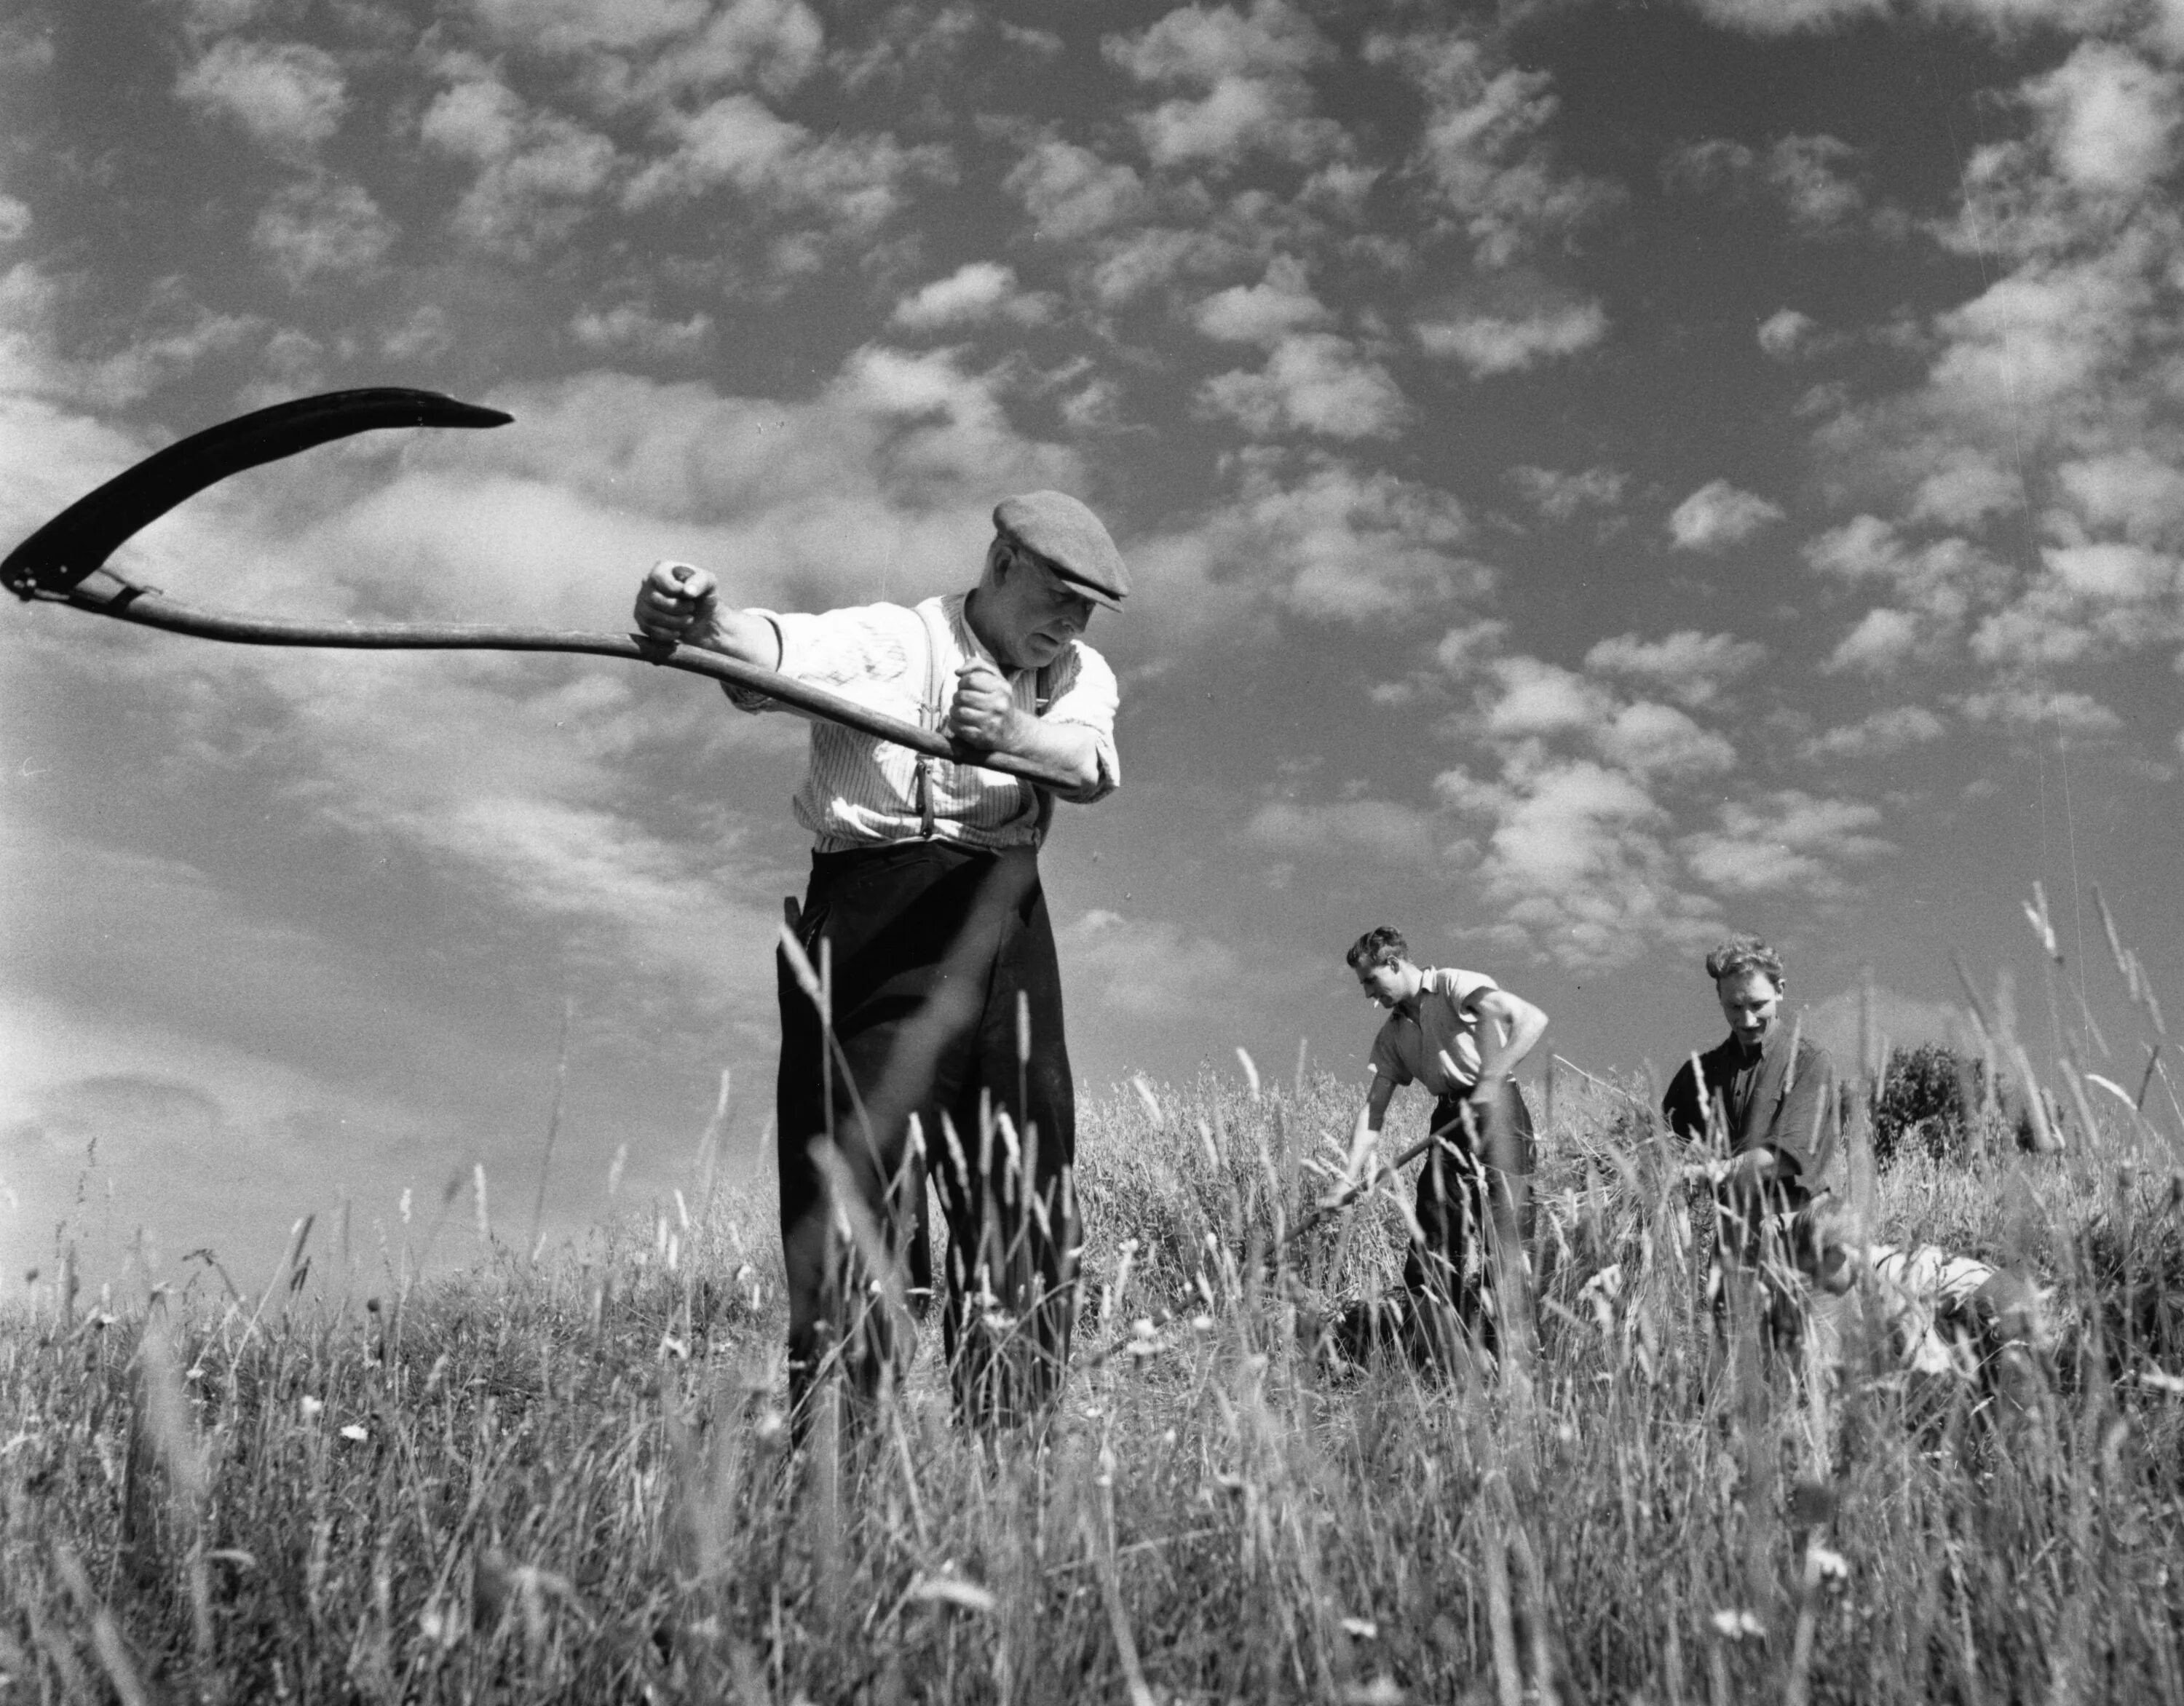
[984, 714]
[677, 603]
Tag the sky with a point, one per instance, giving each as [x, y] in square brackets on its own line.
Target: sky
[1594, 475]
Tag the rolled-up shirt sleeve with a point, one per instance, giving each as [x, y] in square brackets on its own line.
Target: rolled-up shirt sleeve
[863, 653]
[1087, 697]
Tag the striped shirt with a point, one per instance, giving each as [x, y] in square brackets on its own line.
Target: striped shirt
[858, 790]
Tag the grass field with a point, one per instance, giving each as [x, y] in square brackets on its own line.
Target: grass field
[568, 1480]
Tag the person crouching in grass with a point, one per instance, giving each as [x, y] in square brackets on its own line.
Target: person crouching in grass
[1946, 1315]
[1461, 1035]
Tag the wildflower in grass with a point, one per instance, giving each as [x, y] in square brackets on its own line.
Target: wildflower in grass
[1739, 1626]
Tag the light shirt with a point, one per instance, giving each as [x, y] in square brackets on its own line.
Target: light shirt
[858, 790]
[1409, 1050]
[1926, 1297]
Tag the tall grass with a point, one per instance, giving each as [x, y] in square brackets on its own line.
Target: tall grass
[568, 1479]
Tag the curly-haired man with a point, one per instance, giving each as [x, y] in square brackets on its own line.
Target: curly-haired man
[1460, 1035]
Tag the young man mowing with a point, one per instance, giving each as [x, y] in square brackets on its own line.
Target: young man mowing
[1461, 1035]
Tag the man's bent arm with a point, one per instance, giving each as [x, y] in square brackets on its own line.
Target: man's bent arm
[985, 716]
[1524, 1025]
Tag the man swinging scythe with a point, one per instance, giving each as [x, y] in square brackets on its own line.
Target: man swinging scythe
[931, 783]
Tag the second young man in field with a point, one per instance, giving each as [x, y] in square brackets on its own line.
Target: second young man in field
[1461, 1035]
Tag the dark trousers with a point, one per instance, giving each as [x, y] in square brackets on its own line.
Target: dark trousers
[946, 1005]
[1448, 1273]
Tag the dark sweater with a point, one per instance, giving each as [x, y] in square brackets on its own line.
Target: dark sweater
[1787, 1104]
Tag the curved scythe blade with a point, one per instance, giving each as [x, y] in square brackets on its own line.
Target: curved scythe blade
[52, 560]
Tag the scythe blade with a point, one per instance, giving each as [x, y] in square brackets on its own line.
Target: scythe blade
[53, 560]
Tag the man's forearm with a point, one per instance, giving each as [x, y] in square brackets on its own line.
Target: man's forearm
[1068, 747]
[742, 635]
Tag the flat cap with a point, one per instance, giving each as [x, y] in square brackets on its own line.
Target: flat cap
[1069, 537]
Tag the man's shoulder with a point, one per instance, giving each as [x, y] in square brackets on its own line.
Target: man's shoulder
[1457, 985]
[1806, 1060]
[1077, 662]
[1723, 1057]
[1812, 1054]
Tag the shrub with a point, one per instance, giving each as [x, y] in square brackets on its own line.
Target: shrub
[1930, 1099]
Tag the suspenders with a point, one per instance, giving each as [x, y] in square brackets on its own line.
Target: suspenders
[934, 710]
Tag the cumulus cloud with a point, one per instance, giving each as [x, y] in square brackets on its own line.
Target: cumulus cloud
[1786, 17]
[629, 329]
[170, 335]
[1131, 263]
[2040, 399]
[1540, 698]
[2107, 118]
[1575, 862]
[288, 96]
[1880, 734]
[1965, 487]
[1690, 667]
[1786, 332]
[2112, 571]
[2005, 19]
[858, 181]
[1717, 516]
[1938, 588]
[1265, 313]
[977, 291]
[1379, 829]
[1489, 344]
[2131, 490]
[1582, 786]
[1559, 496]
[648, 52]
[1528, 701]
[1325, 540]
[2033, 712]
[1245, 73]
[1072, 192]
[1485, 150]
[1788, 840]
[1804, 174]
[538, 174]
[1313, 382]
[321, 226]
[1653, 739]
[1152, 968]
[1883, 640]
